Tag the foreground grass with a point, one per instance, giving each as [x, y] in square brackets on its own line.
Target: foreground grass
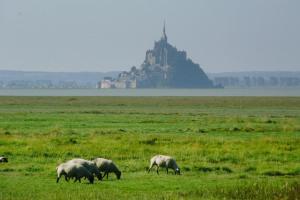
[227, 147]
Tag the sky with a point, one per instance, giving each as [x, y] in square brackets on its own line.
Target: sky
[113, 35]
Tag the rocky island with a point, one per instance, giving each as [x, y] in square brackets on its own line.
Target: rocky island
[164, 67]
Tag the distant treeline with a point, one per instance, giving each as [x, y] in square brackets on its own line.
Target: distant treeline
[45, 80]
[45, 84]
[257, 79]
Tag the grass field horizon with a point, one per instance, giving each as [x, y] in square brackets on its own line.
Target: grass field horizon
[226, 147]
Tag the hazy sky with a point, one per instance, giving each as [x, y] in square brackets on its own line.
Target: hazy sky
[108, 35]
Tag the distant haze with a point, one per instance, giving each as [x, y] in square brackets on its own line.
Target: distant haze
[110, 35]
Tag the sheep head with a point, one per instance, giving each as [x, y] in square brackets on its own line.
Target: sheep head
[177, 171]
[118, 174]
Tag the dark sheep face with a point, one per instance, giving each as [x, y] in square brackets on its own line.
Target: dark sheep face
[118, 175]
[177, 171]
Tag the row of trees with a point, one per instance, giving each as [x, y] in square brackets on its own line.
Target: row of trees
[43, 84]
[259, 81]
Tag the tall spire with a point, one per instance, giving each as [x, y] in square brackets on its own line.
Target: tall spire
[164, 36]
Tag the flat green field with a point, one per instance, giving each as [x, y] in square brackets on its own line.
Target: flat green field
[226, 147]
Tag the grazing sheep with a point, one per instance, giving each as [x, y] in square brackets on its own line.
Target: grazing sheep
[107, 166]
[60, 170]
[89, 165]
[3, 159]
[73, 170]
[164, 161]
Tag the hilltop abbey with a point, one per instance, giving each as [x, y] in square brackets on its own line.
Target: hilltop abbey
[164, 67]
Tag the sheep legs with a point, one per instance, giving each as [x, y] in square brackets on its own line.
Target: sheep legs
[77, 179]
[157, 168]
[106, 173]
[151, 166]
[66, 178]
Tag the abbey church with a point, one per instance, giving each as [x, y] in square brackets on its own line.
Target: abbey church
[164, 67]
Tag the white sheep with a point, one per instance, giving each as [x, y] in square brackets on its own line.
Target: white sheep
[89, 165]
[3, 159]
[73, 170]
[164, 161]
[107, 166]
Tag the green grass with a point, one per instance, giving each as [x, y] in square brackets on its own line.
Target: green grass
[227, 147]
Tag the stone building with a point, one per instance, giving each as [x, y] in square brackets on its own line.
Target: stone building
[109, 83]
